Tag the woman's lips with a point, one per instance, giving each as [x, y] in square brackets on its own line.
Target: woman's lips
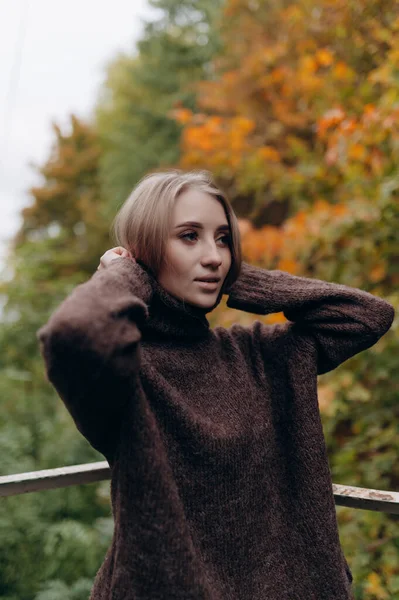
[208, 285]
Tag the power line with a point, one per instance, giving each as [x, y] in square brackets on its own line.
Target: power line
[14, 76]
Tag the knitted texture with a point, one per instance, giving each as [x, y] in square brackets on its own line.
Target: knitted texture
[220, 481]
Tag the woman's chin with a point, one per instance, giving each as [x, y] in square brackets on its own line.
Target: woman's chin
[203, 301]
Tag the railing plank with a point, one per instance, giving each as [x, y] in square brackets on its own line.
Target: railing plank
[34, 481]
[367, 499]
[49, 479]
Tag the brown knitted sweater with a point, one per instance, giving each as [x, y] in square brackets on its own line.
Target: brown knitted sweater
[221, 487]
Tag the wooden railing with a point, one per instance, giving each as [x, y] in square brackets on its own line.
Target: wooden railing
[22, 483]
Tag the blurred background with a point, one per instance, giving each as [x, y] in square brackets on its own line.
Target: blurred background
[294, 106]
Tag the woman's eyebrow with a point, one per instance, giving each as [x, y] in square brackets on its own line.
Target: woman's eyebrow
[224, 227]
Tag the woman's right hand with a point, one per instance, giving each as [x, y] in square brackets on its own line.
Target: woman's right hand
[113, 253]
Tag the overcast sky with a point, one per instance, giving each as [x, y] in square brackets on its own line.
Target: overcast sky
[52, 62]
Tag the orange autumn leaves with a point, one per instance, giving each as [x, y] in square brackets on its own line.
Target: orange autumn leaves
[370, 140]
[226, 141]
[281, 248]
[302, 93]
[223, 144]
[284, 247]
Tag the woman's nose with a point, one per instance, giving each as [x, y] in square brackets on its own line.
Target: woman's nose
[212, 256]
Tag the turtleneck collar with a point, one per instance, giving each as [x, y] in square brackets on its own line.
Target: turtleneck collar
[170, 318]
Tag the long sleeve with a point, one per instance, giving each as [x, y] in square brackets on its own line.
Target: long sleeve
[90, 346]
[335, 321]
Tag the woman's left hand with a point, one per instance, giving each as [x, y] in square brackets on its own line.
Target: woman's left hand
[110, 255]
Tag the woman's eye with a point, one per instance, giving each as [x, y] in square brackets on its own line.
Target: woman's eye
[225, 239]
[186, 235]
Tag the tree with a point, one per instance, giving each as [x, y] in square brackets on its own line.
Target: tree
[62, 236]
[286, 68]
[134, 119]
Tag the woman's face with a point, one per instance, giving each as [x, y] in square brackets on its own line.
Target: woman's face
[197, 247]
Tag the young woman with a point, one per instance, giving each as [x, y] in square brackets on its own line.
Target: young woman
[221, 487]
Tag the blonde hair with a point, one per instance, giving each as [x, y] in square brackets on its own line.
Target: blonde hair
[142, 224]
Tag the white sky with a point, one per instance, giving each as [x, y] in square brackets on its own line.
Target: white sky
[57, 70]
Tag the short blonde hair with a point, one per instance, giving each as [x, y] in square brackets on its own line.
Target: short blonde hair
[142, 224]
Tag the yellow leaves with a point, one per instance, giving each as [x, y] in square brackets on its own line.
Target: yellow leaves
[342, 72]
[292, 13]
[381, 75]
[329, 120]
[309, 77]
[253, 64]
[277, 75]
[261, 245]
[308, 64]
[324, 57]
[357, 152]
[374, 587]
[244, 125]
[311, 222]
[182, 115]
[339, 210]
[277, 50]
[376, 161]
[199, 137]
[378, 272]
[289, 265]
[285, 113]
[216, 142]
[322, 206]
[326, 397]
[370, 114]
[394, 56]
[276, 83]
[269, 154]
[348, 126]
[230, 78]
[367, 140]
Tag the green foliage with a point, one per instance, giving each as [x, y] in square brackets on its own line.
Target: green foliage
[59, 590]
[56, 534]
[59, 533]
[134, 120]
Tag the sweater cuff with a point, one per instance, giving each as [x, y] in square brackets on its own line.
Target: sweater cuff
[138, 280]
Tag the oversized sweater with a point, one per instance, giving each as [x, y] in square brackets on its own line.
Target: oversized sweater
[220, 481]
